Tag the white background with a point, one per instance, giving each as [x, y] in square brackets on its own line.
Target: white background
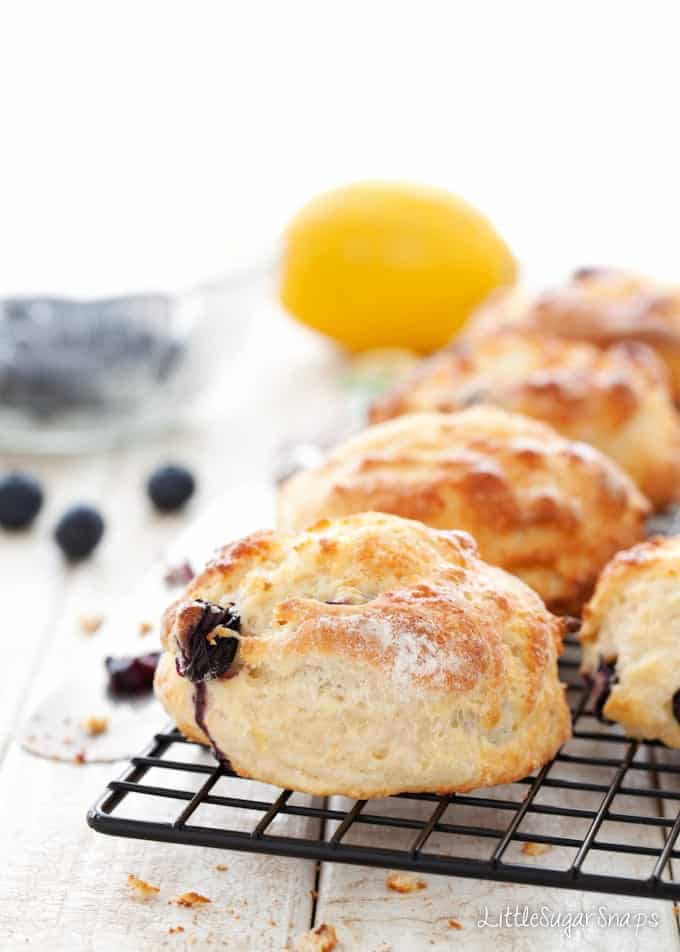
[151, 143]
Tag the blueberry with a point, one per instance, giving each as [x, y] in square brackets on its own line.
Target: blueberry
[201, 658]
[602, 682]
[78, 531]
[170, 486]
[676, 705]
[20, 500]
[132, 675]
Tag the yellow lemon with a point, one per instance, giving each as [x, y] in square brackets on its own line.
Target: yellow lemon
[387, 265]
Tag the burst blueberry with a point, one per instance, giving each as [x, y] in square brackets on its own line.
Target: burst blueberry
[170, 487]
[79, 532]
[675, 703]
[132, 675]
[20, 500]
[201, 656]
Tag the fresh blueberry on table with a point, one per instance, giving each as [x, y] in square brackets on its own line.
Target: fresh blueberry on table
[21, 497]
[132, 675]
[169, 487]
[78, 532]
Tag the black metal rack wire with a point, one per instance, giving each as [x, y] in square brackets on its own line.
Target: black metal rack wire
[603, 816]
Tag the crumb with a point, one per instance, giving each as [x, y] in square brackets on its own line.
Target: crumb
[190, 899]
[140, 888]
[94, 725]
[79, 757]
[314, 893]
[535, 849]
[173, 930]
[454, 924]
[90, 624]
[221, 867]
[403, 883]
[179, 574]
[321, 939]
[145, 627]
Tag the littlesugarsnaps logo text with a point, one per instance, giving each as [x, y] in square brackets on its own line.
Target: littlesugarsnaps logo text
[565, 920]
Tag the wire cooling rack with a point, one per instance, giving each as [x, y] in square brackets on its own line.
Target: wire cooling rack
[602, 816]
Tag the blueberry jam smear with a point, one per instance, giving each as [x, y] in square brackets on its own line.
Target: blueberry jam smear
[132, 675]
[199, 658]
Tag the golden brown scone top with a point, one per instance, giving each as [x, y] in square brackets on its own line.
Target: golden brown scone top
[631, 635]
[601, 305]
[616, 398]
[548, 509]
[414, 601]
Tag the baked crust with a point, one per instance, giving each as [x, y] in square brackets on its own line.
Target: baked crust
[632, 623]
[600, 305]
[547, 509]
[617, 398]
[376, 656]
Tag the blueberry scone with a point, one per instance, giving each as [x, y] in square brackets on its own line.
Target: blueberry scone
[365, 656]
[617, 398]
[550, 510]
[631, 641]
[601, 305]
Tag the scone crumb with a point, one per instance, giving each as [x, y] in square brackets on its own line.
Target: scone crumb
[79, 757]
[90, 624]
[173, 930]
[454, 924]
[535, 849]
[221, 867]
[142, 889]
[321, 939]
[403, 883]
[145, 628]
[190, 899]
[314, 893]
[95, 725]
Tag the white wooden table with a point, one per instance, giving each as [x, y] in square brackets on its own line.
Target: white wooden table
[63, 887]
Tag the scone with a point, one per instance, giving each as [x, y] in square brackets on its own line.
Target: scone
[365, 656]
[550, 510]
[601, 305]
[617, 398]
[631, 641]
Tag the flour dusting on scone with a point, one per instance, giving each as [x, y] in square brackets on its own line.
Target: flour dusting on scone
[631, 641]
[550, 510]
[616, 398]
[373, 656]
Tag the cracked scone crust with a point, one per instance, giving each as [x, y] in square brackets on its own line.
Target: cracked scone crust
[631, 630]
[547, 509]
[601, 305]
[616, 398]
[376, 656]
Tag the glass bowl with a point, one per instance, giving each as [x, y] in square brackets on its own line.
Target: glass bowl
[80, 375]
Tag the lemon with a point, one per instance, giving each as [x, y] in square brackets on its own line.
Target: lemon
[376, 264]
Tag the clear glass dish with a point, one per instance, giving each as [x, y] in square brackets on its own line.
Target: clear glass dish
[80, 375]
